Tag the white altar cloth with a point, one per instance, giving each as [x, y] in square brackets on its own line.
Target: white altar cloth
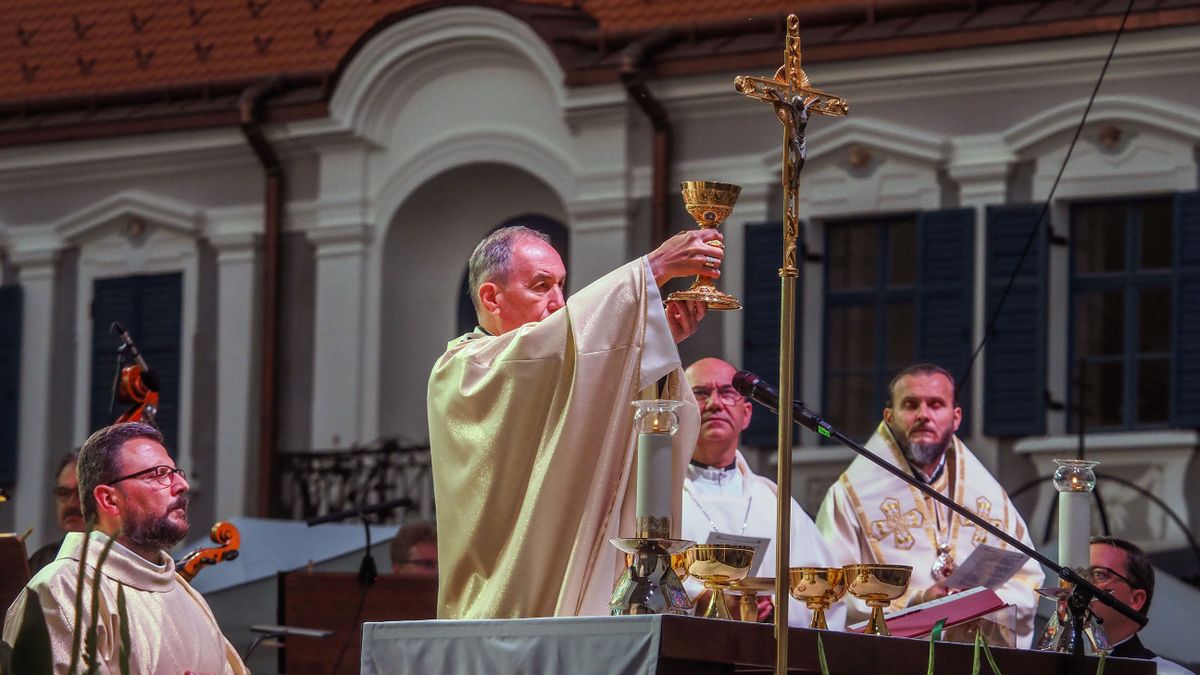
[578, 645]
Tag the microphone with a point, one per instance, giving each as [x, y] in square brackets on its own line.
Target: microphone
[149, 377]
[758, 390]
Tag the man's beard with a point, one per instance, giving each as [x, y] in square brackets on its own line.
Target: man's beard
[921, 453]
[158, 532]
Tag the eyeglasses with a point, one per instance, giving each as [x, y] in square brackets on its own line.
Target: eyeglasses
[162, 473]
[1103, 575]
[727, 394]
[64, 494]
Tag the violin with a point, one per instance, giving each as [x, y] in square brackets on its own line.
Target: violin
[136, 384]
[227, 538]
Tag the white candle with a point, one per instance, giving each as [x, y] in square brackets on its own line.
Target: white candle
[1074, 529]
[654, 476]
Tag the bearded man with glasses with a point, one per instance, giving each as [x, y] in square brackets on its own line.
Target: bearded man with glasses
[1122, 569]
[135, 497]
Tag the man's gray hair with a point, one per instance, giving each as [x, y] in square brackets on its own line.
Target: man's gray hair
[492, 259]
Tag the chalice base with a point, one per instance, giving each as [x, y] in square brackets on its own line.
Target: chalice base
[877, 626]
[818, 617]
[709, 295]
[716, 608]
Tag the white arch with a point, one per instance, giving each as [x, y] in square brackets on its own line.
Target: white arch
[174, 215]
[1153, 113]
[518, 148]
[408, 50]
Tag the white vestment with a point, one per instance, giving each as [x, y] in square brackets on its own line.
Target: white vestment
[169, 626]
[738, 501]
[871, 516]
[532, 445]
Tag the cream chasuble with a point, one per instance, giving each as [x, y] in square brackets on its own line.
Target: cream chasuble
[871, 516]
[739, 501]
[532, 445]
[171, 629]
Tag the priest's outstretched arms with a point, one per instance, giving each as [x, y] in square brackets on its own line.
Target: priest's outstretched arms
[531, 428]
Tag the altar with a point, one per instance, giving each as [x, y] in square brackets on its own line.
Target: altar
[669, 644]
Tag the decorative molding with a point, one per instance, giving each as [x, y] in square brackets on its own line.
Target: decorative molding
[916, 144]
[1152, 113]
[383, 66]
[169, 213]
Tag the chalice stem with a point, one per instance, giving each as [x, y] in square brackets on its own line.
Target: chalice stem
[818, 618]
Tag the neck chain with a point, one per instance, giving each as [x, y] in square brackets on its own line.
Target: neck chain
[711, 522]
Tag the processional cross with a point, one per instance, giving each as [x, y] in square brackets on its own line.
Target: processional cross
[794, 100]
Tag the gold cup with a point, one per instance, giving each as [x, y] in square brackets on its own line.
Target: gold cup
[817, 588]
[710, 203]
[878, 586]
[717, 566]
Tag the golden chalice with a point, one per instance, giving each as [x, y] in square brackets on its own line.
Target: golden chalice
[710, 203]
[717, 566]
[817, 588]
[877, 585]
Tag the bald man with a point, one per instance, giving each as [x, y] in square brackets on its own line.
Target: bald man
[722, 495]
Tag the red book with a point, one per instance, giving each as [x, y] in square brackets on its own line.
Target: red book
[955, 609]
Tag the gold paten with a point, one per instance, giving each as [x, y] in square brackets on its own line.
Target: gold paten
[794, 99]
[710, 203]
[750, 588]
[718, 566]
[878, 586]
[818, 588]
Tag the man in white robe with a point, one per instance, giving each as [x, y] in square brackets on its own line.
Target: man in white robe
[147, 620]
[870, 516]
[722, 494]
[531, 424]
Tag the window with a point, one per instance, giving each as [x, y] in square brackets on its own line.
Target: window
[1121, 314]
[870, 316]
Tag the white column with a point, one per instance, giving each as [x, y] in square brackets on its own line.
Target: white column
[33, 504]
[599, 241]
[339, 335]
[238, 354]
[980, 165]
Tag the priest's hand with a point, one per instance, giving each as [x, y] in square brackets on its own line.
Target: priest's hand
[683, 317]
[934, 592]
[687, 254]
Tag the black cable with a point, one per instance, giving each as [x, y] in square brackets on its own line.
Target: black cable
[355, 628]
[991, 326]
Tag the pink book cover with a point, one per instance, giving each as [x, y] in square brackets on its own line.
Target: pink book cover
[955, 609]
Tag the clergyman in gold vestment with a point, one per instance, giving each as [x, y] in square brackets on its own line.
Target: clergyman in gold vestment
[145, 612]
[531, 424]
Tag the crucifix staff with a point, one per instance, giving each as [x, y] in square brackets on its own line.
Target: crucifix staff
[794, 100]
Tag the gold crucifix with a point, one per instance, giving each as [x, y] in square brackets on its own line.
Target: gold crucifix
[794, 100]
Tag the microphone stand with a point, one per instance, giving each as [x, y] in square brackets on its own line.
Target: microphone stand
[367, 571]
[1083, 591]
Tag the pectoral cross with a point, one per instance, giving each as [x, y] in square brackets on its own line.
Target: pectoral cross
[794, 100]
[896, 524]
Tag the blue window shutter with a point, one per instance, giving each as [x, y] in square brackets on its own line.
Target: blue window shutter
[1185, 356]
[760, 327]
[11, 321]
[150, 308]
[1015, 355]
[945, 292]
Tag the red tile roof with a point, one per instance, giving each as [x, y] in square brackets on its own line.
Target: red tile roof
[188, 59]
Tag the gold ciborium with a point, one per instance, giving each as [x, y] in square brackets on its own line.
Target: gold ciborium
[717, 566]
[750, 588]
[877, 585]
[817, 588]
[710, 203]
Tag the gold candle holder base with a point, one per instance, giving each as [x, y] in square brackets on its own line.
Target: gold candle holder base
[710, 203]
[650, 583]
[878, 586]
